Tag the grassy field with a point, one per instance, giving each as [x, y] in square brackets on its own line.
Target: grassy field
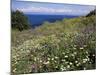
[65, 45]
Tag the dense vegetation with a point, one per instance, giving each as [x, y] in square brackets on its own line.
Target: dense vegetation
[19, 21]
[91, 13]
[65, 45]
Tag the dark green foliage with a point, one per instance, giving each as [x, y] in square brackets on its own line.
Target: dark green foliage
[91, 13]
[19, 21]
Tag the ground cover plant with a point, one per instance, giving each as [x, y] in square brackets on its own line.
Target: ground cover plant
[65, 45]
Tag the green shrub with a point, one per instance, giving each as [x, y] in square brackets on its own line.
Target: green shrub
[91, 13]
[19, 21]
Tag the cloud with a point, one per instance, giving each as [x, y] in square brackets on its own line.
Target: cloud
[66, 10]
[44, 9]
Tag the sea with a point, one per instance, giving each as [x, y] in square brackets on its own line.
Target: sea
[37, 20]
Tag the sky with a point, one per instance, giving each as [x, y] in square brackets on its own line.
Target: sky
[51, 8]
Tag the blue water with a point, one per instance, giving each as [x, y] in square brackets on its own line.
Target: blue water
[36, 20]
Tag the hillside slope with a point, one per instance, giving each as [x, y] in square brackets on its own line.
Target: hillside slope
[61, 46]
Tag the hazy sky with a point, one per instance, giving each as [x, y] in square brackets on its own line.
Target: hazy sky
[51, 8]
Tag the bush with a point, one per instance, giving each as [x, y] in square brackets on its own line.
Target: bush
[19, 21]
[91, 13]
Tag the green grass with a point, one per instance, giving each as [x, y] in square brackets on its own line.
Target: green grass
[65, 45]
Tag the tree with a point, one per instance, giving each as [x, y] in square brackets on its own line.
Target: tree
[19, 20]
[91, 13]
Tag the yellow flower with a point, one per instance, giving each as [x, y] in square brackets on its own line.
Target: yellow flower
[68, 66]
[52, 59]
[74, 48]
[85, 45]
[46, 62]
[40, 60]
[66, 56]
[48, 58]
[14, 70]
[56, 57]
[62, 60]
[81, 48]
[70, 63]
[78, 64]
[76, 61]
[34, 58]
